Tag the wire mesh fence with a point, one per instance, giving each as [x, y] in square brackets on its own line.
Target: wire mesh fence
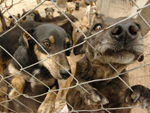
[139, 72]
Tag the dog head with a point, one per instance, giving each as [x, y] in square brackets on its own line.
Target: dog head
[12, 20]
[121, 44]
[48, 40]
[33, 15]
[70, 8]
[49, 12]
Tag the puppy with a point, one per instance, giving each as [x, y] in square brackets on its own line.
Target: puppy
[90, 12]
[70, 8]
[120, 46]
[49, 12]
[12, 20]
[51, 39]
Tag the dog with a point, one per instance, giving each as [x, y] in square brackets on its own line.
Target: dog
[12, 36]
[53, 39]
[72, 59]
[70, 8]
[12, 20]
[76, 33]
[37, 17]
[119, 46]
[90, 13]
[49, 12]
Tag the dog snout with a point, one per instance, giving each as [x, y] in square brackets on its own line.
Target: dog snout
[64, 74]
[125, 32]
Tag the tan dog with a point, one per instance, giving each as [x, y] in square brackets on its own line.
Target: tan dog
[70, 8]
[90, 13]
[76, 33]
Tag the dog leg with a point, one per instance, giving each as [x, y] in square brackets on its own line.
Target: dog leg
[18, 83]
[90, 98]
[48, 105]
[139, 96]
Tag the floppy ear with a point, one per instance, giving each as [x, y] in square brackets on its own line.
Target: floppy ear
[61, 23]
[25, 39]
[80, 49]
[69, 44]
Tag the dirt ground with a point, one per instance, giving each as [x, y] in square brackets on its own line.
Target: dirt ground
[118, 8]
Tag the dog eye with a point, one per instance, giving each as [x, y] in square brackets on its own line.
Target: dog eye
[47, 43]
[97, 27]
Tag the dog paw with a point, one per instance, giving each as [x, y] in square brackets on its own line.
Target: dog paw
[46, 108]
[48, 105]
[95, 98]
[139, 96]
[13, 94]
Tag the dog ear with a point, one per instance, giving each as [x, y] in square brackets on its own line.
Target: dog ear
[92, 3]
[25, 39]
[53, 9]
[23, 10]
[81, 48]
[67, 9]
[61, 23]
[18, 15]
[68, 45]
[141, 58]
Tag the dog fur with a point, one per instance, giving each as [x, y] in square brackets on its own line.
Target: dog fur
[46, 71]
[12, 20]
[67, 26]
[49, 11]
[120, 45]
[70, 8]
[90, 13]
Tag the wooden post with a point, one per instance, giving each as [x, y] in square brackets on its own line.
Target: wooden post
[103, 7]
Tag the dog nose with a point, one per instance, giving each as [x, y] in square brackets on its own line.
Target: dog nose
[64, 73]
[125, 32]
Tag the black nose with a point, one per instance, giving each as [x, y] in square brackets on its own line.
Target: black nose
[125, 32]
[64, 73]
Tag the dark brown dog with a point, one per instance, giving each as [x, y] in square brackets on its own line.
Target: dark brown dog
[120, 45]
[53, 39]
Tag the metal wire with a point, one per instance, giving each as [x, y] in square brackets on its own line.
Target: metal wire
[130, 70]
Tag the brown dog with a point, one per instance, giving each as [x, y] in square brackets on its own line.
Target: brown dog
[120, 46]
